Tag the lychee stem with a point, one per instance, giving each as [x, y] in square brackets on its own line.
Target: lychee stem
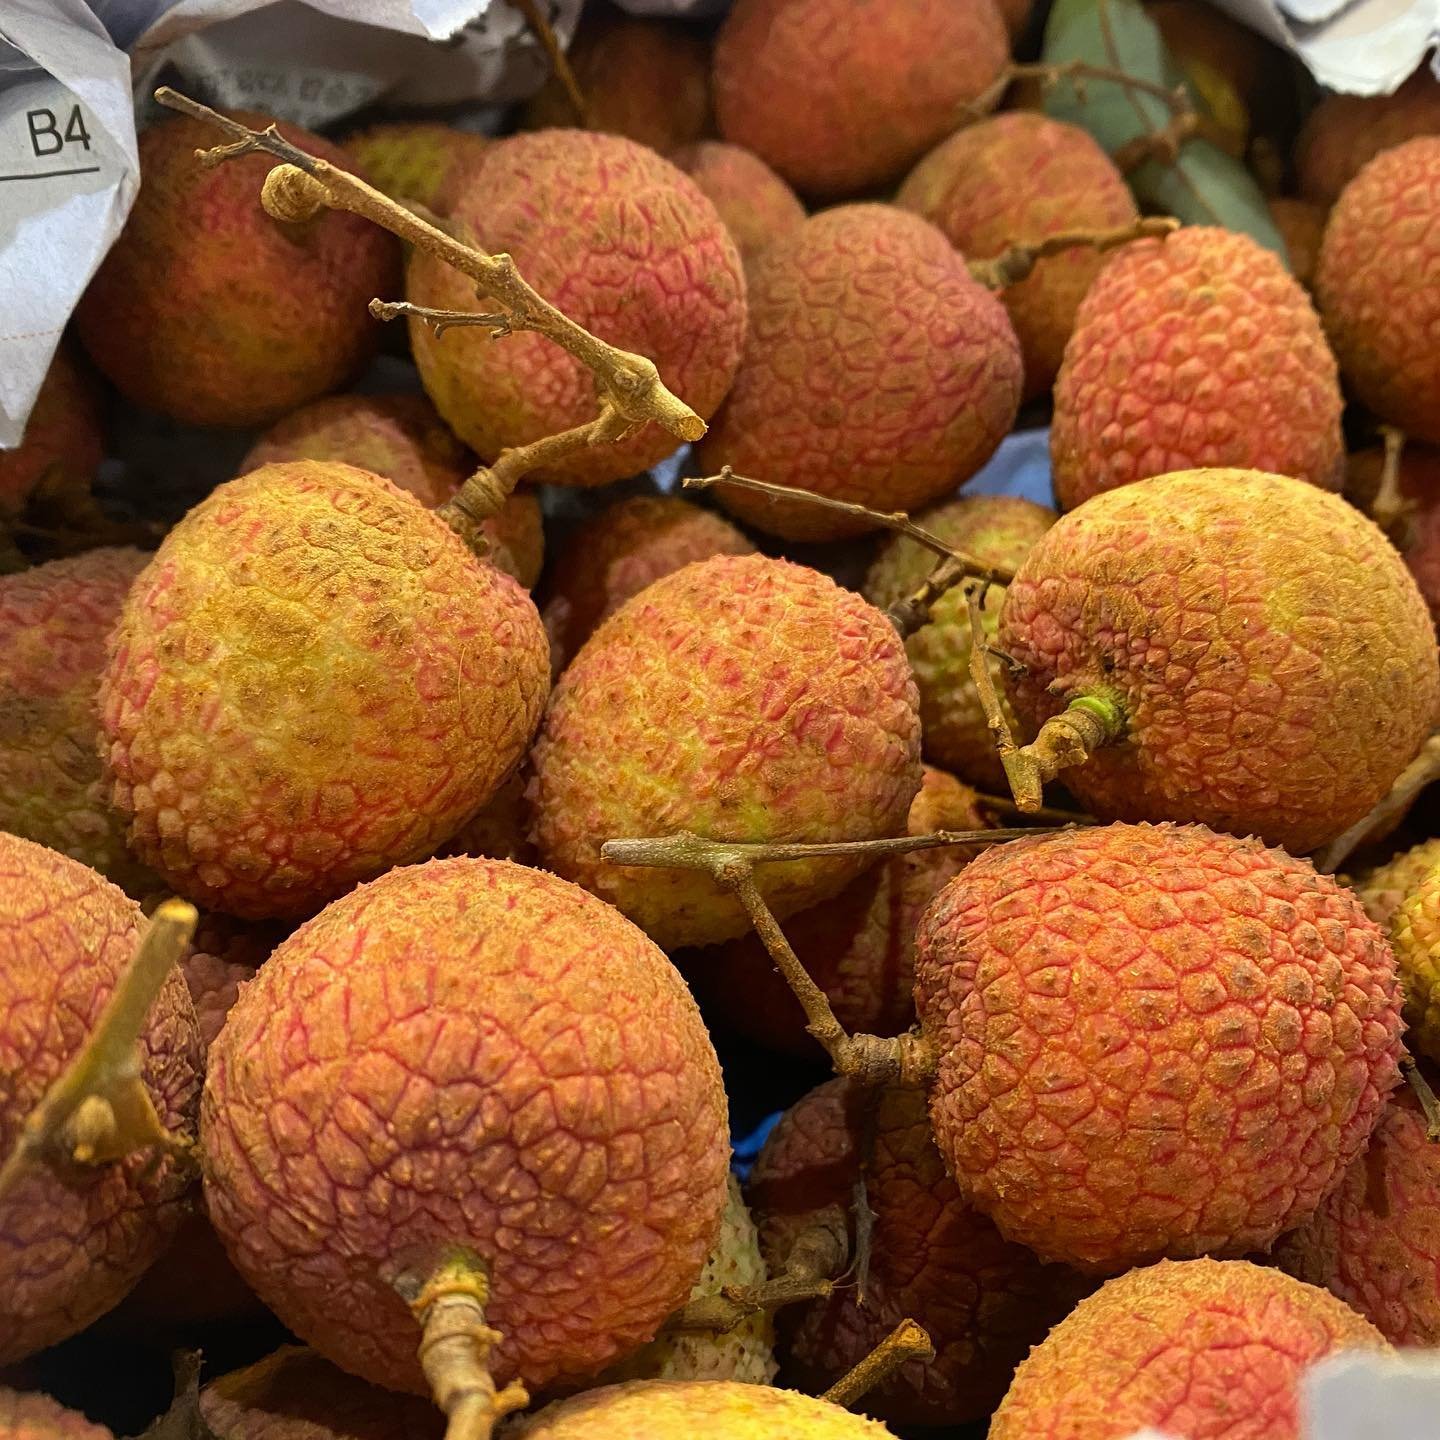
[906, 1342]
[1390, 510]
[1077, 72]
[1085, 725]
[98, 1110]
[539, 22]
[1424, 768]
[1429, 1105]
[1014, 263]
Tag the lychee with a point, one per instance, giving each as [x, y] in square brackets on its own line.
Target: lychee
[1153, 1040]
[876, 369]
[757, 206]
[1255, 645]
[1383, 889]
[312, 681]
[208, 310]
[1373, 283]
[75, 1238]
[62, 445]
[1415, 936]
[467, 1057]
[31, 1416]
[403, 439]
[627, 246]
[741, 698]
[1199, 1348]
[1018, 179]
[999, 530]
[500, 829]
[1198, 349]
[224, 954]
[1418, 535]
[1301, 224]
[617, 553]
[837, 104]
[982, 1300]
[418, 160]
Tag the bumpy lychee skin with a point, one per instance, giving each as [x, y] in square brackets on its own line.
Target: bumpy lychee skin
[741, 698]
[1384, 889]
[72, 1245]
[403, 439]
[889, 403]
[933, 1259]
[224, 954]
[1375, 1240]
[1016, 179]
[1273, 660]
[296, 1394]
[312, 681]
[208, 310]
[1301, 224]
[1154, 1040]
[54, 622]
[1203, 1347]
[388, 1087]
[1375, 286]
[31, 1416]
[757, 206]
[681, 1409]
[1198, 349]
[998, 529]
[624, 548]
[838, 101]
[1415, 937]
[63, 443]
[859, 948]
[416, 160]
[627, 246]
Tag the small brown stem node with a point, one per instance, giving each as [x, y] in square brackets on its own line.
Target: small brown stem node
[292, 196]
[1070, 738]
[907, 1341]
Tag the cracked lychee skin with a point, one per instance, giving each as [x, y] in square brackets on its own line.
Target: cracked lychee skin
[1384, 889]
[1345, 132]
[72, 1244]
[1154, 1040]
[32, 1416]
[1419, 474]
[859, 947]
[624, 244]
[295, 1394]
[1374, 283]
[891, 402]
[616, 554]
[741, 698]
[208, 310]
[757, 206]
[839, 101]
[1375, 1240]
[1415, 938]
[312, 681]
[1017, 179]
[683, 1409]
[1200, 349]
[467, 1053]
[982, 1301]
[54, 622]
[1273, 659]
[402, 438]
[999, 530]
[63, 439]
[1212, 1348]
[416, 160]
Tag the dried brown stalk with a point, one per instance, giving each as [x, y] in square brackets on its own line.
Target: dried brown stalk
[1077, 72]
[1419, 773]
[1162, 145]
[1429, 1105]
[907, 1341]
[544, 31]
[1012, 265]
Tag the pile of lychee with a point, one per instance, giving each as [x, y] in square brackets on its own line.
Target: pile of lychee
[429, 835]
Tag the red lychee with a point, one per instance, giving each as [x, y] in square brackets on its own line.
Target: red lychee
[62, 445]
[757, 206]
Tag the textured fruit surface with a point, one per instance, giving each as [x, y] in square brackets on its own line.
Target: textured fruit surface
[1419, 531]
[1415, 936]
[1273, 658]
[757, 206]
[31, 1416]
[296, 1394]
[62, 444]
[615, 555]
[681, 1410]
[54, 621]
[839, 95]
[1198, 349]
[627, 246]
[1375, 285]
[72, 1243]
[982, 1300]
[1375, 1241]
[1346, 132]
[1382, 889]
[1301, 223]
[415, 161]
[208, 310]
[500, 830]
[1155, 1040]
[889, 404]
[390, 1086]
[1016, 179]
[746, 1353]
[1201, 1348]
[224, 954]
[859, 948]
[313, 680]
[403, 439]
[741, 698]
[999, 530]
